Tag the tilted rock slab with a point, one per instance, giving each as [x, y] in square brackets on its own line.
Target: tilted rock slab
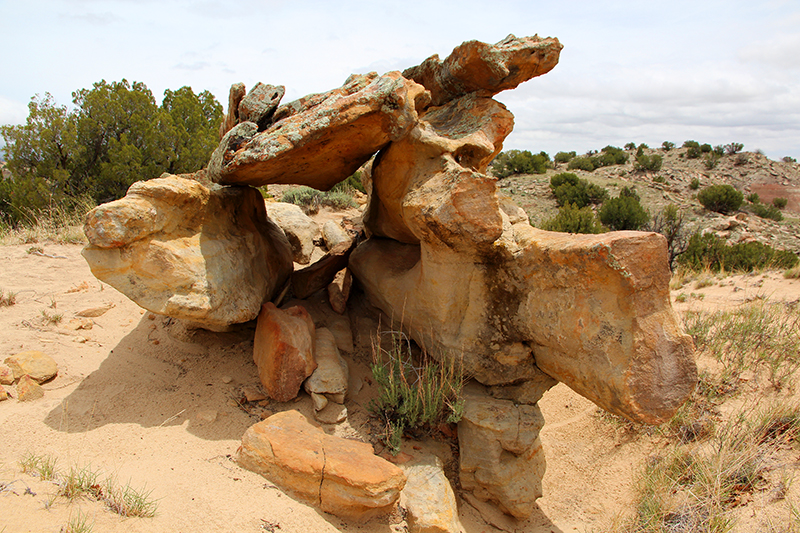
[429, 498]
[592, 311]
[323, 139]
[340, 476]
[283, 350]
[178, 248]
[500, 453]
[485, 69]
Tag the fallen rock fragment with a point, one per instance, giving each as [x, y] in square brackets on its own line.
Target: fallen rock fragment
[283, 350]
[332, 413]
[28, 390]
[334, 234]
[500, 453]
[94, 312]
[320, 274]
[6, 375]
[339, 476]
[339, 290]
[331, 375]
[429, 498]
[299, 228]
[3, 394]
[235, 95]
[37, 365]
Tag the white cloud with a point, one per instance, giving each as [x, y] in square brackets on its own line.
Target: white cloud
[12, 112]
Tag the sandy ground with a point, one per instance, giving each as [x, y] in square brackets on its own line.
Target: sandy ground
[141, 398]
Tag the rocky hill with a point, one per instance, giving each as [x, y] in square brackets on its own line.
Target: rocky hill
[749, 172]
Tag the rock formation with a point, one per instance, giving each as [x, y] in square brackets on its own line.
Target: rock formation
[447, 260]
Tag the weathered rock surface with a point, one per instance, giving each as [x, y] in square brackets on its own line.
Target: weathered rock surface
[299, 228]
[500, 453]
[334, 234]
[324, 139]
[283, 350]
[318, 275]
[339, 290]
[429, 498]
[28, 390]
[178, 248]
[331, 376]
[37, 365]
[235, 96]
[485, 69]
[341, 477]
[6, 375]
[260, 104]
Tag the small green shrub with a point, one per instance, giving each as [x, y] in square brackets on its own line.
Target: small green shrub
[651, 163]
[659, 179]
[667, 145]
[710, 161]
[710, 252]
[789, 159]
[690, 144]
[624, 212]
[693, 152]
[572, 219]
[312, 199]
[520, 162]
[694, 184]
[568, 188]
[705, 148]
[767, 211]
[733, 148]
[352, 183]
[780, 203]
[670, 223]
[721, 198]
[630, 146]
[753, 198]
[581, 163]
[414, 398]
[564, 157]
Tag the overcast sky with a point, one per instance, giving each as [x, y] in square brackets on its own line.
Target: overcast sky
[712, 71]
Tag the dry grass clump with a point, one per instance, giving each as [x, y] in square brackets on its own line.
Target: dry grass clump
[60, 224]
[7, 299]
[792, 273]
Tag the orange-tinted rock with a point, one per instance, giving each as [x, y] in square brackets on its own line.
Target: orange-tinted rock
[324, 139]
[283, 350]
[6, 375]
[306, 281]
[178, 248]
[339, 290]
[28, 390]
[486, 69]
[340, 476]
[260, 103]
[37, 365]
[235, 96]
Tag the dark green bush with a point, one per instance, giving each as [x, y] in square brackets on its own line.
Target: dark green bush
[753, 198]
[709, 251]
[581, 163]
[789, 159]
[667, 146]
[694, 184]
[690, 144]
[630, 146]
[610, 155]
[624, 212]
[719, 150]
[520, 162]
[650, 163]
[564, 157]
[733, 148]
[693, 152]
[720, 198]
[572, 219]
[767, 211]
[568, 188]
[350, 184]
[780, 203]
[705, 148]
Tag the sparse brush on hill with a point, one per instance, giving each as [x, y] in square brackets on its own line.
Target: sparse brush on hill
[766, 211]
[710, 252]
[720, 198]
[573, 219]
[671, 223]
[568, 188]
[520, 162]
[312, 199]
[624, 212]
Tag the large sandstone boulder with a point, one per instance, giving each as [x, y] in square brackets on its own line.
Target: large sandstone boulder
[178, 248]
[322, 139]
[342, 477]
[299, 228]
[500, 453]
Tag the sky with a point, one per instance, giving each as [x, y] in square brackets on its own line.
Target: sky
[631, 71]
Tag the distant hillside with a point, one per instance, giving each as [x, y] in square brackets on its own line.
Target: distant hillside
[748, 172]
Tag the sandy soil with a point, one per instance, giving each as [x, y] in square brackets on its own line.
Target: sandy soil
[140, 397]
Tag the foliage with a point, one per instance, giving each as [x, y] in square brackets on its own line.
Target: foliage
[568, 188]
[720, 198]
[43, 466]
[733, 148]
[646, 162]
[710, 252]
[690, 144]
[624, 212]
[767, 211]
[667, 145]
[705, 148]
[414, 398]
[352, 183]
[630, 146]
[7, 299]
[610, 155]
[115, 136]
[789, 159]
[670, 223]
[780, 203]
[694, 184]
[574, 219]
[753, 198]
[711, 160]
[312, 199]
[564, 157]
[581, 163]
[520, 162]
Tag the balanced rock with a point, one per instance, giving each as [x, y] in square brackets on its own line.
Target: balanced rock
[331, 375]
[485, 69]
[500, 453]
[178, 248]
[260, 104]
[28, 390]
[429, 498]
[322, 140]
[39, 366]
[283, 350]
[299, 228]
[340, 476]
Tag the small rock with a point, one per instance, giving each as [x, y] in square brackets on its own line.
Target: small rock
[320, 401]
[38, 365]
[226, 379]
[330, 377]
[429, 498]
[253, 395]
[28, 390]
[207, 415]
[94, 312]
[333, 234]
[339, 290]
[3, 394]
[332, 413]
[80, 323]
[6, 375]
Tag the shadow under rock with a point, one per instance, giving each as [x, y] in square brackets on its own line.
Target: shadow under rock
[163, 374]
